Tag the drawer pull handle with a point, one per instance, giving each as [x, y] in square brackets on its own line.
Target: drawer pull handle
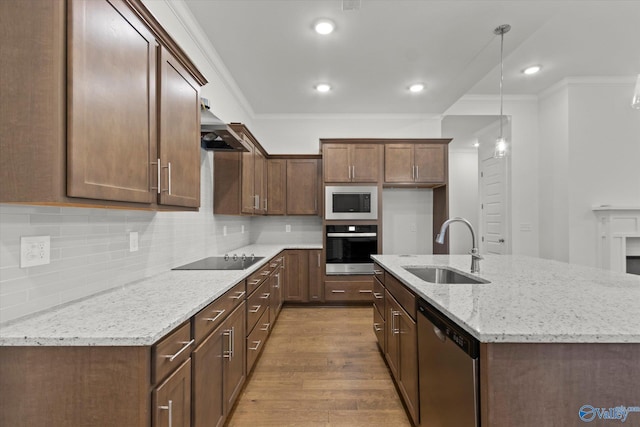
[172, 357]
[257, 343]
[376, 327]
[266, 326]
[266, 295]
[265, 273]
[377, 295]
[169, 408]
[377, 272]
[256, 281]
[256, 308]
[274, 265]
[213, 319]
[365, 291]
[239, 295]
[338, 291]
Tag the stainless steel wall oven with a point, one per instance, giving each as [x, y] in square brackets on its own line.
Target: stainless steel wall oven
[349, 248]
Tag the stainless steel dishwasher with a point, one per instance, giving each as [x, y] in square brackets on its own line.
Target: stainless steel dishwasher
[448, 370]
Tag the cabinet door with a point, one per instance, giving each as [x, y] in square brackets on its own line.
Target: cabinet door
[336, 163]
[248, 191]
[391, 334]
[276, 187]
[297, 275]
[208, 364]
[234, 354]
[408, 362]
[302, 187]
[260, 182]
[365, 161]
[111, 113]
[172, 399]
[430, 163]
[398, 163]
[316, 291]
[179, 135]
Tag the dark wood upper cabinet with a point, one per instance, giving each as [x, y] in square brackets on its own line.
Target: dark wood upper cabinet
[114, 93]
[351, 162]
[276, 187]
[302, 187]
[423, 164]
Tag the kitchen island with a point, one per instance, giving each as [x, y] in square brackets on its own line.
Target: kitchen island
[554, 338]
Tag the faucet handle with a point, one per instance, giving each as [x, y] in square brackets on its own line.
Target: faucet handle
[475, 253]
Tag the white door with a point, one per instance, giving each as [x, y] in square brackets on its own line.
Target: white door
[494, 239]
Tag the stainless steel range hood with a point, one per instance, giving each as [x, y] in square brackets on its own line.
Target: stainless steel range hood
[215, 134]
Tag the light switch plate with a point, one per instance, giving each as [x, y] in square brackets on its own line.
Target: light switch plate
[133, 241]
[35, 250]
[287, 228]
[224, 230]
[242, 229]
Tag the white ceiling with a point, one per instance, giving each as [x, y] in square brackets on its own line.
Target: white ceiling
[275, 57]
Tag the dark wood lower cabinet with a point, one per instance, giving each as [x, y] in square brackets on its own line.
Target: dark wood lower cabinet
[208, 372]
[172, 399]
[296, 270]
[316, 288]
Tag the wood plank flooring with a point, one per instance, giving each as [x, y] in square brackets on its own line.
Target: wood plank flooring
[320, 367]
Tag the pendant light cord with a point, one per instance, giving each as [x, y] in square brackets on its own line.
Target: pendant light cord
[501, 77]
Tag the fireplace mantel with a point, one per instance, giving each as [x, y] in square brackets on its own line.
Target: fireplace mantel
[616, 225]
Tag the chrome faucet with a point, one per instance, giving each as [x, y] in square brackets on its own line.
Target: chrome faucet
[475, 255]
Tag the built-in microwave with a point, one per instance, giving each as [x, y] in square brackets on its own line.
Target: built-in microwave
[351, 202]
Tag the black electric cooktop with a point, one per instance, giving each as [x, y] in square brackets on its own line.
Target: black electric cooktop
[221, 263]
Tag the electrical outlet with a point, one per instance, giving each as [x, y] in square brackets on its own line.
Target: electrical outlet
[133, 241]
[242, 229]
[287, 228]
[224, 230]
[35, 250]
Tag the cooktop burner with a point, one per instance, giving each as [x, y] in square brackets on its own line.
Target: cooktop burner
[222, 263]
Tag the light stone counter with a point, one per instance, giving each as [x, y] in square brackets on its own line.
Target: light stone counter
[137, 314]
[531, 300]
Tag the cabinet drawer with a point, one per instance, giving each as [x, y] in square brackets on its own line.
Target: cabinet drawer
[257, 278]
[171, 351]
[212, 315]
[378, 296]
[378, 328]
[404, 296]
[257, 339]
[348, 291]
[257, 304]
[378, 272]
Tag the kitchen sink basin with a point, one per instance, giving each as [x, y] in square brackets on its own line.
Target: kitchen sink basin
[444, 275]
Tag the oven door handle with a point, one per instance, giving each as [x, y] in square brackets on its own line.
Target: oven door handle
[352, 234]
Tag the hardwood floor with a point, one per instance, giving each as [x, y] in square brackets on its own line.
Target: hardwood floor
[320, 367]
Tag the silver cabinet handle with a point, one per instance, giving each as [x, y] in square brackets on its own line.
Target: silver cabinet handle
[257, 343]
[338, 291]
[349, 170]
[394, 330]
[417, 173]
[353, 175]
[277, 285]
[266, 326]
[377, 295]
[256, 201]
[318, 259]
[228, 353]
[169, 170]
[256, 308]
[157, 187]
[233, 340]
[255, 282]
[239, 295]
[365, 291]
[169, 407]
[265, 204]
[413, 172]
[265, 273]
[172, 357]
[377, 272]
[376, 327]
[213, 319]
[274, 265]
[266, 295]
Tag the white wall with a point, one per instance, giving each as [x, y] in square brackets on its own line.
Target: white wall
[463, 197]
[301, 134]
[407, 221]
[604, 158]
[523, 162]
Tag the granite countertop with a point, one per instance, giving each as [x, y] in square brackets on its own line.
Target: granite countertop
[531, 300]
[137, 314]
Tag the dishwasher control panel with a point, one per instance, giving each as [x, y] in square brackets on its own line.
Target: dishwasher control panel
[447, 329]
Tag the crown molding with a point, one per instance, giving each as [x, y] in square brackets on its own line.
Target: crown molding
[586, 82]
[346, 116]
[496, 98]
[200, 39]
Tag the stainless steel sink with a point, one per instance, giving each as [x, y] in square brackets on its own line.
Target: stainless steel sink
[444, 275]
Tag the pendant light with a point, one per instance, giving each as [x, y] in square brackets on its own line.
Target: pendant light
[501, 143]
[635, 101]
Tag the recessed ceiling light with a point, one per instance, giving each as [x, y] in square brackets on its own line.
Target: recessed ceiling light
[476, 144]
[532, 70]
[324, 26]
[416, 87]
[323, 87]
